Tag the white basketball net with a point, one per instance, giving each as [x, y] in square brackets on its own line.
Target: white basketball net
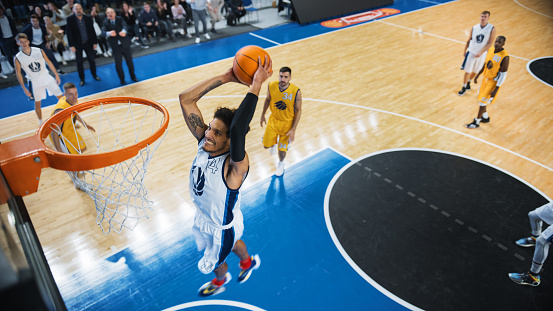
[118, 191]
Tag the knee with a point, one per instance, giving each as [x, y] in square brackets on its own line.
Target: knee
[542, 240]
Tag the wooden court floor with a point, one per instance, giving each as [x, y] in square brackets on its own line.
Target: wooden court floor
[387, 84]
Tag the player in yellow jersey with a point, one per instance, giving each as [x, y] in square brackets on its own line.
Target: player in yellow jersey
[495, 72]
[284, 99]
[70, 141]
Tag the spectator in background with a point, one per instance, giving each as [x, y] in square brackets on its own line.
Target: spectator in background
[179, 16]
[199, 15]
[97, 23]
[148, 22]
[8, 31]
[133, 31]
[114, 29]
[82, 37]
[55, 38]
[164, 18]
[58, 17]
[214, 10]
[36, 33]
[237, 10]
[68, 8]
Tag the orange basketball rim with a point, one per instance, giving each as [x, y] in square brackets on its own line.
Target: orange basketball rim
[21, 161]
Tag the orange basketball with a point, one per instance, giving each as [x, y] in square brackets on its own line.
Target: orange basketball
[245, 62]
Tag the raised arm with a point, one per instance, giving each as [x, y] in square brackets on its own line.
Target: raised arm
[189, 103]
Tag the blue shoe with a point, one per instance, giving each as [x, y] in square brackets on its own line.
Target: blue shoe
[245, 273]
[526, 278]
[210, 289]
[526, 242]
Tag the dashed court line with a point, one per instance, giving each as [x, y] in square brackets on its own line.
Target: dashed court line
[442, 212]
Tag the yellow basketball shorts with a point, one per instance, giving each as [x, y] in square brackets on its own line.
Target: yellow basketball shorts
[487, 87]
[276, 132]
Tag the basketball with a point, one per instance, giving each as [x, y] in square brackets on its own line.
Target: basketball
[245, 63]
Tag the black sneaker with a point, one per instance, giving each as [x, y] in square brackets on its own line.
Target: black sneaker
[210, 289]
[526, 278]
[81, 83]
[462, 91]
[472, 125]
[485, 120]
[97, 78]
[245, 273]
[61, 72]
[468, 86]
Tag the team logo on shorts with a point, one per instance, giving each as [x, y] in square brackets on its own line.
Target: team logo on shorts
[35, 67]
[199, 180]
[280, 105]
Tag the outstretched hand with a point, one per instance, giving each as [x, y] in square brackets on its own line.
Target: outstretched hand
[263, 72]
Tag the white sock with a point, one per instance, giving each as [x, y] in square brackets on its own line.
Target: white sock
[39, 122]
[485, 115]
[465, 85]
[478, 120]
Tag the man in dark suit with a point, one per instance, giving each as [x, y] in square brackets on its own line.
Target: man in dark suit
[7, 40]
[114, 29]
[36, 32]
[82, 37]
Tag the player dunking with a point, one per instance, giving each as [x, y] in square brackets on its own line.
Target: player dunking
[495, 73]
[217, 173]
[285, 100]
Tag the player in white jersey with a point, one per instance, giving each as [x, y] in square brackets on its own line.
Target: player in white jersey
[541, 240]
[216, 176]
[33, 61]
[480, 40]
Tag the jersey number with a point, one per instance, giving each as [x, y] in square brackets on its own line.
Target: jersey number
[288, 96]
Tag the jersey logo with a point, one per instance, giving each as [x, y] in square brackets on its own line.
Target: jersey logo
[280, 105]
[480, 38]
[199, 180]
[35, 67]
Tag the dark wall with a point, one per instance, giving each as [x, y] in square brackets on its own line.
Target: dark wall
[314, 10]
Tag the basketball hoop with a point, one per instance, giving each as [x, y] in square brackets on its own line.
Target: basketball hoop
[112, 167]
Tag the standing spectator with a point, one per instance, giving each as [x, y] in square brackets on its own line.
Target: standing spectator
[148, 22]
[164, 18]
[179, 16]
[214, 10]
[8, 31]
[36, 33]
[237, 10]
[199, 15]
[33, 61]
[97, 21]
[58, 17]
[55, 38]
[114, 28]
[68, 8]
[82, 37]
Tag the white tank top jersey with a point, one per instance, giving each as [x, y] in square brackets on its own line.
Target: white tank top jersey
[34, 66]
[209, 190]
[480, 37]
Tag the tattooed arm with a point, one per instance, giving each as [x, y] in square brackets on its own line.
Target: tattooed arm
[189, 98]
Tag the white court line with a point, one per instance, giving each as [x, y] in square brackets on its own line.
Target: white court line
[214, 303]
[433, 2]
[437, 36]
[263, 38]
[532, 10]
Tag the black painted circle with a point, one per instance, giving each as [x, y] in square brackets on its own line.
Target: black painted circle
[542, 69]
[437, 230]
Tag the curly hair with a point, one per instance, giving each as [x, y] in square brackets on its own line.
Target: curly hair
[226, 115]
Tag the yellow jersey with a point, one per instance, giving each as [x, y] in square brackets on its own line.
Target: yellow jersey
[69, 137]
[282, 103]
[493, 62]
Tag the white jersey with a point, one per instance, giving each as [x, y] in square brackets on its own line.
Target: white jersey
[209, 190]
[34, 66]
[480, 37]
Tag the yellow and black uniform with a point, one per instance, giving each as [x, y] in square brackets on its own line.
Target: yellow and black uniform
[282, 115]
[70, 140]
[491, 69]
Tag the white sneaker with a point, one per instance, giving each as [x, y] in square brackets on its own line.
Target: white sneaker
[198, 40]
[188, 35]
[273, 149]
[207, 36]
[3, 76]
[280, 169]
[64, 62]
[109, 53]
